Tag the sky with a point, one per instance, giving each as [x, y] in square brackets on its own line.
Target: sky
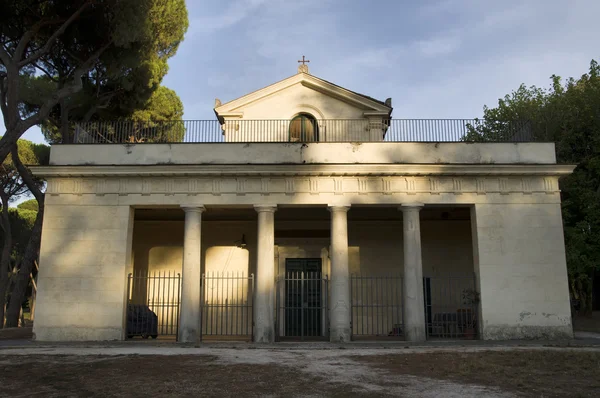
[434, 58]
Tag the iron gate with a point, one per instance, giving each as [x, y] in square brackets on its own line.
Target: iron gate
[451, 304]
[302, 306]
[376, 306]
[153, 302]
[226, 305]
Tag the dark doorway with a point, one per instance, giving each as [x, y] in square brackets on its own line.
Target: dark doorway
[304, 293]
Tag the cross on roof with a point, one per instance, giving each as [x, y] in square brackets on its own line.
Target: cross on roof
[304, 61]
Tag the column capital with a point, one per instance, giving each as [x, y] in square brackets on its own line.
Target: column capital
[193, 208]
[265, 208]
[408, 207]
[338, 208]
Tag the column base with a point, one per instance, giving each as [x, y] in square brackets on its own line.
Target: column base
[415, 334]
[188, 336]
[265, 335]
[342, 335]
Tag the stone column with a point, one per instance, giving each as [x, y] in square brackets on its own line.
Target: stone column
[340, 331]
[189, 320]
[264, 295]
[413, 303]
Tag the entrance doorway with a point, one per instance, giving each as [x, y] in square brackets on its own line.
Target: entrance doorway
[303, 305]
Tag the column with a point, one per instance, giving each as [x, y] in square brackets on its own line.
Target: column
[413, 303]
[264, 296]
[189, 318]
[340, 331]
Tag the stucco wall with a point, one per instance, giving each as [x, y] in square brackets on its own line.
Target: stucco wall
[521, 267]
[85, 252]
[298, 98]
[297, 153]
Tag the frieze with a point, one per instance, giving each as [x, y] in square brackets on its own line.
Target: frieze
[302, 185]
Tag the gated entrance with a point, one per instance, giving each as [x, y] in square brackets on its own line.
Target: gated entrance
[153, 304]
[301, 301]
[376, 306]
[226, 308]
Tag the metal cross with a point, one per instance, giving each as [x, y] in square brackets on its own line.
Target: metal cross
[304, 61]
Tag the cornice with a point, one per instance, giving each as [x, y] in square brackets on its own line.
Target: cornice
[305, 170]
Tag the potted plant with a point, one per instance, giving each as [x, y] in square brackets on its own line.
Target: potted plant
[470, 299]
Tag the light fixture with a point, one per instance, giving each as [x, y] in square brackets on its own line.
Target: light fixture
[242, 242]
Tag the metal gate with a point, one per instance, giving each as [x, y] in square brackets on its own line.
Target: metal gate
[451, 304]
[376, 306]
[153, 302]
[226, 305]
[302, 306]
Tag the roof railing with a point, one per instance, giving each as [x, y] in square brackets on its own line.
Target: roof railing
[298, 130]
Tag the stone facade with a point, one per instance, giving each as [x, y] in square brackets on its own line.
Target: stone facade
[383, 201]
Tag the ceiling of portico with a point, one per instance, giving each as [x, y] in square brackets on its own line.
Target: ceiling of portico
[313, 213]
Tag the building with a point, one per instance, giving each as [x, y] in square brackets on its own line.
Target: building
[304, 211]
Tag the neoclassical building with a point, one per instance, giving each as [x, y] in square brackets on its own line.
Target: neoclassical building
[303, 211]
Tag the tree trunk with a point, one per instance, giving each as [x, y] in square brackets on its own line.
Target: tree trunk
[5, 256]
[22, 280]
[64, 122]
[33, 246]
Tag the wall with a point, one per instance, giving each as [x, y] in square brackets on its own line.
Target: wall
[521, 267]
[85, 252]
[298, 98]
[309, 153]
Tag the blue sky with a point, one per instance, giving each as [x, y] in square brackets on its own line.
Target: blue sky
[435, 58]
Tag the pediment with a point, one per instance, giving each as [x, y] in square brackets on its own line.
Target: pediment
[368, 105]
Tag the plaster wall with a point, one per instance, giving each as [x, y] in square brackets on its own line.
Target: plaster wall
[85, 252]
[522, 273]
[287, 103]
[298, 153]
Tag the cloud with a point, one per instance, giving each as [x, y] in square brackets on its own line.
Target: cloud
[236, 12]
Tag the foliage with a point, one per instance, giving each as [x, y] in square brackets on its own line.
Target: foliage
[30, 204]
[11, 184]
[82, 48]
[158, 121]
[567, 113]
[21, 222]
[123, 80]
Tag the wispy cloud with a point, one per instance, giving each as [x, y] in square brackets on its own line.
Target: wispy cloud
[236, 12]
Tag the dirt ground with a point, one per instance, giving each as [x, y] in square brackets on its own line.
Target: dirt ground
[309, 373]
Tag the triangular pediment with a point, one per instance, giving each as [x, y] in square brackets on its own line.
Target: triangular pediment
[367, 104]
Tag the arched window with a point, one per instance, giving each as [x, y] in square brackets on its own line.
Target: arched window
[304, 128]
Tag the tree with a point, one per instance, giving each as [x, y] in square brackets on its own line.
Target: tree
[158, 120]
[567, 113]
[73, 43]
[13, 186]
[121, 82]
[29, 205]
[31, 252]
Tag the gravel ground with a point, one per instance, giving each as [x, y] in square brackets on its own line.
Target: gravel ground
[147, 370]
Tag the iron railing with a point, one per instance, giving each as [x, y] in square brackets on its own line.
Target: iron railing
[153, 304]
[376, 306]
[326, 130]
[451, 306]
[227, 305]
[302, 306]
